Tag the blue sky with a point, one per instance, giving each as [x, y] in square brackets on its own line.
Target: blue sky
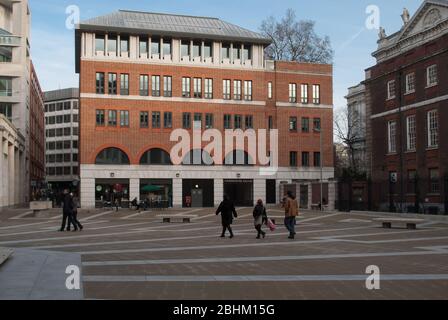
[52, 44]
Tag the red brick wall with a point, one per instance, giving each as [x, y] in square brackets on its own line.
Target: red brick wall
[415, 60]
[37, 130]
[135, 140]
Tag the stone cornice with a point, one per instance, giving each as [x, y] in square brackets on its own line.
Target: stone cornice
[411, 42]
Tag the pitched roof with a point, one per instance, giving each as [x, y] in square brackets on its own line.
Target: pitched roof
[172, 25]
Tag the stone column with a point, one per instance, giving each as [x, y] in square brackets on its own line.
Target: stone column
[310, 195]
[177, 193]
[331, 195]
[16, 177]
[218, 191]
[11, 170]
[260, 190]
[134, 189]
[87, 193]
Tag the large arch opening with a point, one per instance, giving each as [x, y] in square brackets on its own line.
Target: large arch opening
[156, 156]
[238, 158]
[198, 157]
[112, 156]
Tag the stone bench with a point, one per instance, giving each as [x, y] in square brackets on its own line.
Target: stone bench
[38, 206]
[167, 218]
[410, 223]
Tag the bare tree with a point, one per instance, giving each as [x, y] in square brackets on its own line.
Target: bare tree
[295, 40]
[349, 131]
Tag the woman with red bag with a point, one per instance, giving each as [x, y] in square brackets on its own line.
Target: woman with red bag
[260, 218]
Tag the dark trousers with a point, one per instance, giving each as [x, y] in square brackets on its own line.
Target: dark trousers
[67, 215]
[260, 232]
[225, 228]
[290, 223]
[74, 221]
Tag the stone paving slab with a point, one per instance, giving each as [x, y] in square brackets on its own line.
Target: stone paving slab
[140, 258]
[37, 275]
[5, 253]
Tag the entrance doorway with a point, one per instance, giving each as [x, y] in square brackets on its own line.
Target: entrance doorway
[198, 193]
[241, 192]
[271, 192]
[197, 198]
[303, 196]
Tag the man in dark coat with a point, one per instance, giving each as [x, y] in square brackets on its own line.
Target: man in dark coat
[67, 211]
[228, 212]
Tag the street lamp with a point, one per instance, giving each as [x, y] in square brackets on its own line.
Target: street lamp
[319, 130]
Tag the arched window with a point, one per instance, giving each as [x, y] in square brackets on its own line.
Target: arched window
[112, 156]
[238, 158]
[156, 157]
[198, 157]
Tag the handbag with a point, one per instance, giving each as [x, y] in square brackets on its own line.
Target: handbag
[271, 225]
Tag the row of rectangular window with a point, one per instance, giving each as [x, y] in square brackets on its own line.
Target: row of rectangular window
[411, 132]
[168, 120]
[61, 132]
[60, 106]
[62, 145]
[66, 118]
[413, 181]
[157, 46]
[62, 171]
[410, 82]
[305, 159]
[61, 158]
[304, 93]
[305, 124]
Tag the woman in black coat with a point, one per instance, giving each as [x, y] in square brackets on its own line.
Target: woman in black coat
[228, 212]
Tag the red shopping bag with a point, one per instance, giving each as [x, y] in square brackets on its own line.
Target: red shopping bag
[271, 225]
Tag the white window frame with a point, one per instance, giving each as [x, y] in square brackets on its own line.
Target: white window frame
[237, 94]
[410, 83]
[293, 93]
[248, 90]
[316, 93]
[167, 86]
[433, 129]
[226, 94]
[186, 87]
[411, 133]
[208, 88]
[432, 76]
[197, 87]
[155, 86]
[269, 90]
[392, 136]
[390, 94]
[304, 93]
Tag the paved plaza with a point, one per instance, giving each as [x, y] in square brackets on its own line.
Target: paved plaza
[132, 255]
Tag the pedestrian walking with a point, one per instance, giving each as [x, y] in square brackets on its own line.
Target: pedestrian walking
[67, 208]
[228, 212]
[260, 218]
[76, 223]
[291, 212]
[117, 203]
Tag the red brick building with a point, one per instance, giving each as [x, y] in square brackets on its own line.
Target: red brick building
[36, 134]
[143, 75]
[407, 92]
